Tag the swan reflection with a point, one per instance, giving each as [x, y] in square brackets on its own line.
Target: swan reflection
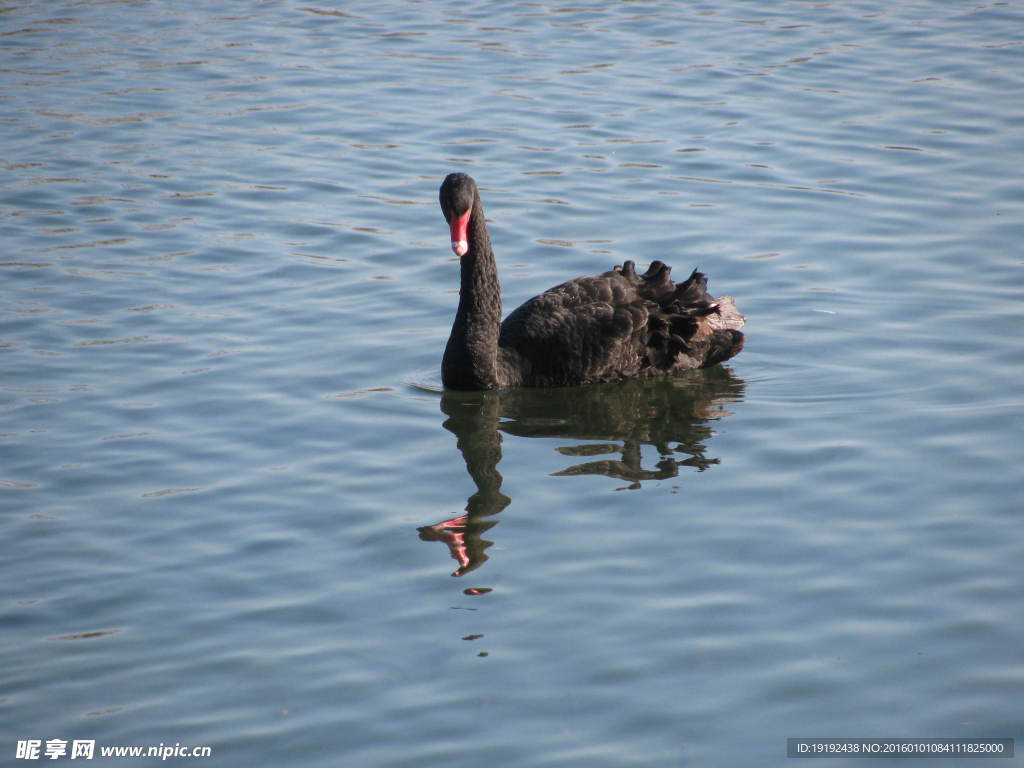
[612, 421]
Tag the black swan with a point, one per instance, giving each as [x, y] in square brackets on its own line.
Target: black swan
[608, 327]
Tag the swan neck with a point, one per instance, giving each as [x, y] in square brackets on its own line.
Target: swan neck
[471, 357]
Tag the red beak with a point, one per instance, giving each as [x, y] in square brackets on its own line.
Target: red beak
[460, 240]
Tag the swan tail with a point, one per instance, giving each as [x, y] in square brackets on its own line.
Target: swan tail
[688, 327]
[722, 345]
[726, 315]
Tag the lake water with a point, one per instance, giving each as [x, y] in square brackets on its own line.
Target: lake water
[233, 495]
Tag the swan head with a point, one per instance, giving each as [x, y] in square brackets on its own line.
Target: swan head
[457, 196]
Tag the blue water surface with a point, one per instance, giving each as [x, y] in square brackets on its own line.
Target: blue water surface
[233, 495]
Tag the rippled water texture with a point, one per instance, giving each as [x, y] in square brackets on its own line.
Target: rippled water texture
[233, 495]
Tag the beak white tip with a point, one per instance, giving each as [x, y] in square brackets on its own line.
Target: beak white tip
[460, 247]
